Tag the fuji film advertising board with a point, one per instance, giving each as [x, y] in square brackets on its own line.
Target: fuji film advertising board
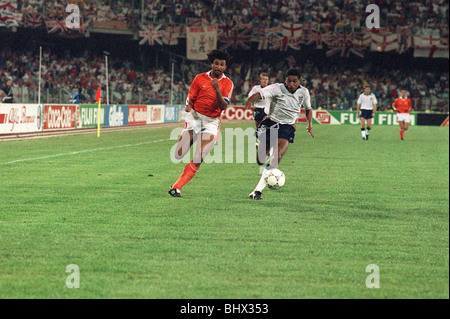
[20, 118]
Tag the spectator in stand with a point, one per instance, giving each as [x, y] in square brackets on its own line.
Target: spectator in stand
[6, 94]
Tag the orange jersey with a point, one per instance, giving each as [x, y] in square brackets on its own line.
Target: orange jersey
[403, 105]
[203, 95]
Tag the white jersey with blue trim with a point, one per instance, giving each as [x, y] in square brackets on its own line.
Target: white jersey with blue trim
[285, 106]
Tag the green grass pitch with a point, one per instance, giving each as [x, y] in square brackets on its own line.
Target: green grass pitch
[347, 203]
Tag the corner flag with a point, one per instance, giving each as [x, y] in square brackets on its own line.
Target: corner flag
[98, 96]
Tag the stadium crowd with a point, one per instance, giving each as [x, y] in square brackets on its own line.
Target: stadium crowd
[424, 14]
[67, 74]
[330, 87]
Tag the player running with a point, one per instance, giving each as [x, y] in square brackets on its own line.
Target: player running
[262, 106]
[209, 95]
[367, 103]
[402, 106]
[277, 130]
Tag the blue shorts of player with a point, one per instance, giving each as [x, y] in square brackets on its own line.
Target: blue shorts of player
[268, 127]
[259, 114]
[366, 114]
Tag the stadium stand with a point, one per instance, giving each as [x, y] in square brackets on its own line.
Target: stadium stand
[331, 85]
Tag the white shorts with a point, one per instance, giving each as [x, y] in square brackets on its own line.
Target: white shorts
[403, 117]
[201, 123]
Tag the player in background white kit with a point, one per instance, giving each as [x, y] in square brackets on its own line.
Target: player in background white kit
[262, 106]
[277, 130]
[367, 103]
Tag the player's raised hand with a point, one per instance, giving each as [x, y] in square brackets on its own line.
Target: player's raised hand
[309, 130]
[215, 84]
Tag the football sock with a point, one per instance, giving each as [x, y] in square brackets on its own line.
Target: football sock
[188, 172]
[368, 130]
[402, 133]
[363, 133]
[262, 183]
[268, 161]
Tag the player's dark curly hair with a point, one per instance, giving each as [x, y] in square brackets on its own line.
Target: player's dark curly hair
[218, 54]
[294, 72]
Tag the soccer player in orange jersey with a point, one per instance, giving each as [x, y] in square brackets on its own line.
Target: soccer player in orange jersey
[402, 106]
[209, 95]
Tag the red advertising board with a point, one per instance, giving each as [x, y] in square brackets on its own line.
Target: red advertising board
[137, 114]
[59, 117]
[238, 113]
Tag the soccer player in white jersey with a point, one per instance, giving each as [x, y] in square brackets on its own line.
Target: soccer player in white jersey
[367, 103]
[262, 106]
[277, 130]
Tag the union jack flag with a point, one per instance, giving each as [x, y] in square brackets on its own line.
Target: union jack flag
[151, 34]
[236, 39]
[225, 29]
[32, 20]
[319, 38]
[55, 25]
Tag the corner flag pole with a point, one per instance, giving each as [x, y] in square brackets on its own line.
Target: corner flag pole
[98, 121]
[98, 98]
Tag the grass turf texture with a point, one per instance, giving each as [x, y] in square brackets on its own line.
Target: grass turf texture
[347, 203]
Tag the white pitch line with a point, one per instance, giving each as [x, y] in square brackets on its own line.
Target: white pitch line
[79, 152]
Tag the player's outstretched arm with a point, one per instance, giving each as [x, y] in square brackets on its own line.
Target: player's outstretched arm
[309, 114]
[251, 99]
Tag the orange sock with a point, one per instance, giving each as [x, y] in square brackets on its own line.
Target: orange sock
[188, 172]
[401, 133]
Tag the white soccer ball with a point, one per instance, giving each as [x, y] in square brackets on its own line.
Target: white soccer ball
[274, 178]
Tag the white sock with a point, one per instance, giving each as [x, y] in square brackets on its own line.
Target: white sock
[363, 133]
[262, 184]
